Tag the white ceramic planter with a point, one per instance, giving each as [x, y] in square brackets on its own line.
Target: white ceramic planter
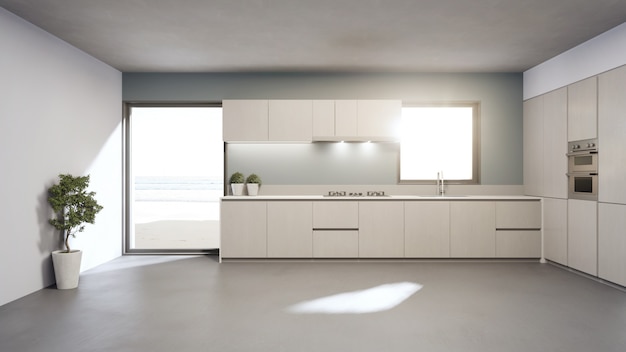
[253, 189]
[66, 268]
[237, 189]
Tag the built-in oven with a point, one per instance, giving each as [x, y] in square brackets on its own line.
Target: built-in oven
[582, 170]
[583, 185]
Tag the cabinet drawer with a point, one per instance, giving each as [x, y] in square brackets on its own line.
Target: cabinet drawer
[336, 244]
[335, 215]
[518, 244]
[518, 215]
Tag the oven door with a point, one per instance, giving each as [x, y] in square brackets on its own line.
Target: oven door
[582, 162]
[583, 185]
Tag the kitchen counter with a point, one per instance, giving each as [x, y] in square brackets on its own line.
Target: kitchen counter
[388, 197]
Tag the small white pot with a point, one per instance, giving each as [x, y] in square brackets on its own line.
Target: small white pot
[237, 189]
[253, 189]
[66, 268]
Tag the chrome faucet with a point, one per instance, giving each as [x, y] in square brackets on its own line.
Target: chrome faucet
[440, 186]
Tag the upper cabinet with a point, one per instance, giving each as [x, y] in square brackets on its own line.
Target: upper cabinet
[582, 109]
[346, 119]
[379, 119]
[323, 118]
[290, 120]
[245, 120]
[267, 120]
[356, 120]
[311, 120]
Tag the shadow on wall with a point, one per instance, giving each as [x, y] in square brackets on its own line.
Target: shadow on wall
[47, 238]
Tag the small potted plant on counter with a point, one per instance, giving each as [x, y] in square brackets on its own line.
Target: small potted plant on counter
[74, 207]
[253, 183]
[236, 183]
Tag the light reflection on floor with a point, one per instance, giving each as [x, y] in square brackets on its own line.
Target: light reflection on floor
[375, 299]
[126, 262]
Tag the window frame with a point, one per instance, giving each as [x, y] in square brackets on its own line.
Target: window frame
[476, 142]
[127, 107]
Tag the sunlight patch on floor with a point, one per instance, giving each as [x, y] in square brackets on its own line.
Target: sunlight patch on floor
[375, 299]
[126, 262]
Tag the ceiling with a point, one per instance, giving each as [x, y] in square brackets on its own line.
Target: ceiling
[322, 35]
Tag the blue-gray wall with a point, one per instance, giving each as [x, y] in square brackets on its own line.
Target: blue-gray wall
[500, 95]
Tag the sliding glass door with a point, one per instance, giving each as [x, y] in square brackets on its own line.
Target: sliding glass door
[175, 177]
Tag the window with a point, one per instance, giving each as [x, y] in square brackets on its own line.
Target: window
[175, 177]
[440, 138]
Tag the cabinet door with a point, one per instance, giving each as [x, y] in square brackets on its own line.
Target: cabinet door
[533, 146]
[290, 120]
[582, 239]
[245, 120]
[612, 242]
[336, 244]
[323, 118]
[345, 118]
[555, 144]
[582, 109]
[555, 230]
[243, 229]
[472, 229]
[427, 229]
[518, 243]
[289, 229]
[336, 215]
[611, 133]
[518, 215]
[379, 118]
[381, 229]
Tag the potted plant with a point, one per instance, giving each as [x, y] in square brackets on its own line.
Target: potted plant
[253, 182]
[74, 207]
[236, 183]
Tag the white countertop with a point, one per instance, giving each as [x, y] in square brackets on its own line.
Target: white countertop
[389, 197]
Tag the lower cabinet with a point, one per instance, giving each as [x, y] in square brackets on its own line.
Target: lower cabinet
[555, 230]
[243, 229]
[335, 244]
[472, 229]
[336, 229]
[612, 242]
[381, 229]
[427, 229]
[518, 229]
[289, 229]
[582, 239]
[518, 243]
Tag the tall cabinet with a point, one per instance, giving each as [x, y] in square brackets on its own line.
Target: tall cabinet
[545, 166]
[611, 176]
[533, 146]
[582, 241]
[555, 144]
[582, 109]
[612, 136]
[545, 145]
[589, 236]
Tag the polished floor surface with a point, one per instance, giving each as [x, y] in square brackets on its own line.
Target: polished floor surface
[176, 304]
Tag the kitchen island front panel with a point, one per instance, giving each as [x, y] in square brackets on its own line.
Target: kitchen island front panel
[390, 227]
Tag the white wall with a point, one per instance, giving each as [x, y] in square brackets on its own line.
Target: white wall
[60, 112]
[600, 54]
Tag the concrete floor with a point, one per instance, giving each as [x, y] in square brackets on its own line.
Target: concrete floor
[138, 303]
